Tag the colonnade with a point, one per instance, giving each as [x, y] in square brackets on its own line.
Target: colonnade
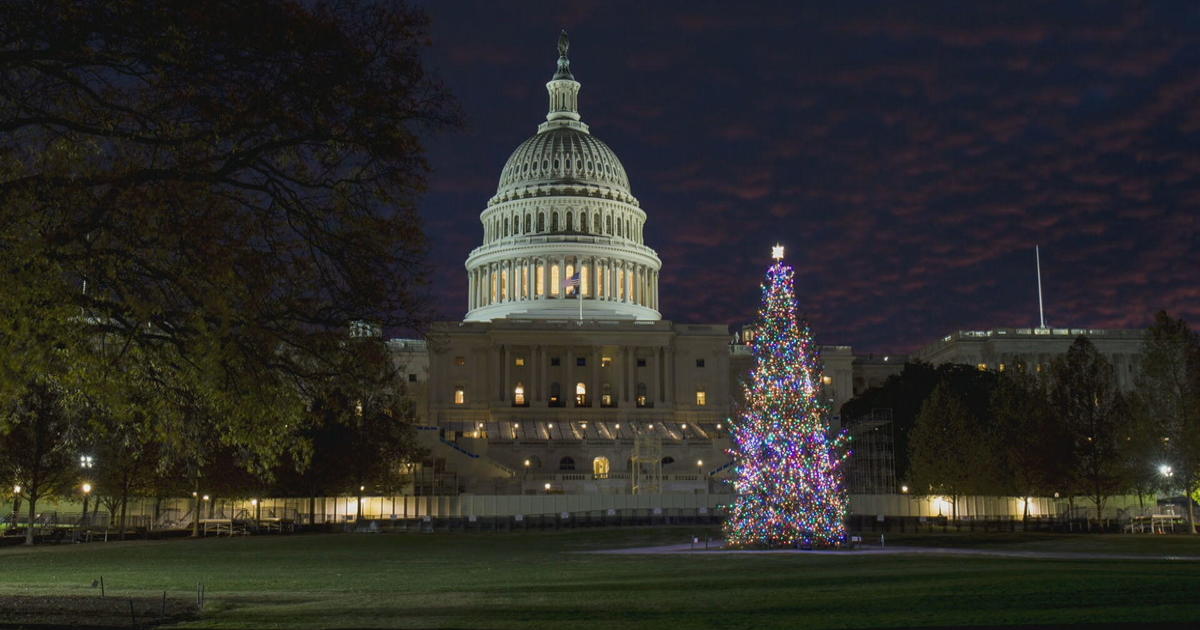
[542, 278]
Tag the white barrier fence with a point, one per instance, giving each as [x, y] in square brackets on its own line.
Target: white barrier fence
[177, 513]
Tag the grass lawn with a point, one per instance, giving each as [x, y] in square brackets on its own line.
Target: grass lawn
[532, 580]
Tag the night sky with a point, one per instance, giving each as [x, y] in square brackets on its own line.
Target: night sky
[908, 156]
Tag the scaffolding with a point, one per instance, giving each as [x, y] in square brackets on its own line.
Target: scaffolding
[872, 466]
[647, 464]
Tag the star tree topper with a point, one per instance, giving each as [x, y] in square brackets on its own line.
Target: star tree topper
[777, 252]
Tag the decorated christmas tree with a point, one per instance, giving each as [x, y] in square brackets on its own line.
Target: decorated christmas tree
[788, 484]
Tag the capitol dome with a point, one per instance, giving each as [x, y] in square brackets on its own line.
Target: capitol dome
[563, 157]
[562, 236]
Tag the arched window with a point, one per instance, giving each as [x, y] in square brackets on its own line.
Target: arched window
[600, 467]
[581, 399]
[583, 222]
[597, 226]
[668, 460]
[519, 395]
[608, 225]
[541, 222]
[606, 398]
[570, 222]
[566, 463]
[554, 222]
[460, 395]
[506, 226]
[528, 223]
[642, 400]
[555, 395]
[620, 231]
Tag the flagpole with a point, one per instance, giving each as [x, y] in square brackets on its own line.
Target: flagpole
[579, 291]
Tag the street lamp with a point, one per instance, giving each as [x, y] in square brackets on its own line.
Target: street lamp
[87, 494]
[86, 461]
[547, 487]
[903, 489]
[1166, 470]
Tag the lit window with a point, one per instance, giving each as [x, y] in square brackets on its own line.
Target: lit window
[1001, 367]
[581, 395]
[701, 397]
[460, 361]
[641, 398]
[519, 362]
[460, 395]
[828, 380]
[699, 362]
[982, 367]
[605, 361]
[519, 395]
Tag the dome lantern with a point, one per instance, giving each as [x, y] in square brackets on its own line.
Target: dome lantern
[564, 93]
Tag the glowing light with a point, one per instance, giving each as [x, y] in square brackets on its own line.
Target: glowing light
[87, 488]
[1166, 471]
[206, 497]
[904, 489]
[16, 489]
[777, 252]
[254, 502]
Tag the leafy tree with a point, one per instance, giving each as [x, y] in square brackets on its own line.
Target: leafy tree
[38, 437]
[1167, 400]
[1031, 441]
[1085, 396]
[218, 188]
[951, 454]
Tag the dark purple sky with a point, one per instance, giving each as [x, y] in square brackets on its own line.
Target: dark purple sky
[909, 155]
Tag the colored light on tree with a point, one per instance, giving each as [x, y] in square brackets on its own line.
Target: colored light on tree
[788, 484]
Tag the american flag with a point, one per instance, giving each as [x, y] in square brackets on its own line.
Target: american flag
[573, 281]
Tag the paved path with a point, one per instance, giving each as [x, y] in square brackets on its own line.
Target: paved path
[715, 548]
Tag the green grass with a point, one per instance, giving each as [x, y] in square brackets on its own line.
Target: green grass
[533, 580]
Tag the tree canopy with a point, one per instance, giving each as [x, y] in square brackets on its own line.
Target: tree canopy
[210, 191]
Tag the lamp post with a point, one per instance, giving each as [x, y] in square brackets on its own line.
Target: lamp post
[16, 503]
[86, 488]
[547, 487]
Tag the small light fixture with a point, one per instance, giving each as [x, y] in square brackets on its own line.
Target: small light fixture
[547, 486]
[205, 497]
[253, 501]
[17, 489]
[87, 488]
[527, 463]
[904, 489]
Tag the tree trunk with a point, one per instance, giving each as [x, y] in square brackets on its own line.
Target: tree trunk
[196, 508]
[1025, 517]
[358, 508]
[1187, 491]
[312, 510]
[124, 505]
[32, 514]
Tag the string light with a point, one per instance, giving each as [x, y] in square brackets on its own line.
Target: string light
[788, 471]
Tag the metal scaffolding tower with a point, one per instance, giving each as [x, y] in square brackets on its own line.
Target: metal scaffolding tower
[872, 467]
[647, 464]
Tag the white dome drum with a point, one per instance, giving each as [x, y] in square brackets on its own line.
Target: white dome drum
[562, 237]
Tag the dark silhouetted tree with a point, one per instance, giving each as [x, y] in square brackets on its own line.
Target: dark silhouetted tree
[1085, 396]
[214, 189]
[1167, 401]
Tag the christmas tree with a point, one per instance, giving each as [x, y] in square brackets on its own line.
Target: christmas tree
[789, 481]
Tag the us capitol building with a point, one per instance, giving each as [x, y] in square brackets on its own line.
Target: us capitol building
[563, 377]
